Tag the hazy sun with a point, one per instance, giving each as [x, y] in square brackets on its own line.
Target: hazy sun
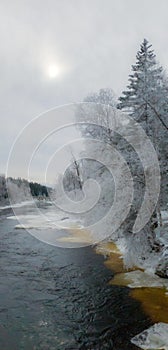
[53, 71]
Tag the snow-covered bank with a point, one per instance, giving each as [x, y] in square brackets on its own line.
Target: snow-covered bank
[153, 262]
[140, 249]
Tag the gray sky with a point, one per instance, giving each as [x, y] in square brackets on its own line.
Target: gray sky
[90, 43]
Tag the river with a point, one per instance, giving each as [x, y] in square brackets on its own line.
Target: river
[55, 298]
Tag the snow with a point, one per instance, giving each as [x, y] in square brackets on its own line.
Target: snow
[156, 337]
[164, 214]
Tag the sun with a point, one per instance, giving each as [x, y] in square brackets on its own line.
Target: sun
[53, 71]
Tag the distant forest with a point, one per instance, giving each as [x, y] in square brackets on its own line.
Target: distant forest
[20, 189]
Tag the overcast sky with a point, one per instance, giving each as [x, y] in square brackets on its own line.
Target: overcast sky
[57, 51]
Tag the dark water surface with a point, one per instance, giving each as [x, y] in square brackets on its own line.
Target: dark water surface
[56, 299]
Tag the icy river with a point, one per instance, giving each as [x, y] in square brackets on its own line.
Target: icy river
[55, 298]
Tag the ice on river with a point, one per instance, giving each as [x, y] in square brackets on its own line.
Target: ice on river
[16, 205]
[48, 219]
[156, 337]
[140, 279]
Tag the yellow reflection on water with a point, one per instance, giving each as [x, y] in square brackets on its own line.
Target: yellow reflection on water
[154, 300]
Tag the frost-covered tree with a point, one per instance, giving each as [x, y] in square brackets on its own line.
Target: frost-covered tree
[72, 179]
[18, 190]
[96, 113]
[145, 96]
[98, 106]
[104, 96]
[146, 100]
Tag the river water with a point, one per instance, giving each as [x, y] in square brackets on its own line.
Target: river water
[59, 299]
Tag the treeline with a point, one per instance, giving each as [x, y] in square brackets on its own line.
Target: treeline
[20, 189]
[38, 190]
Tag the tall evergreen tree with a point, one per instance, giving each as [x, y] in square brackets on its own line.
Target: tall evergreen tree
[146, 100]
[146, 93]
